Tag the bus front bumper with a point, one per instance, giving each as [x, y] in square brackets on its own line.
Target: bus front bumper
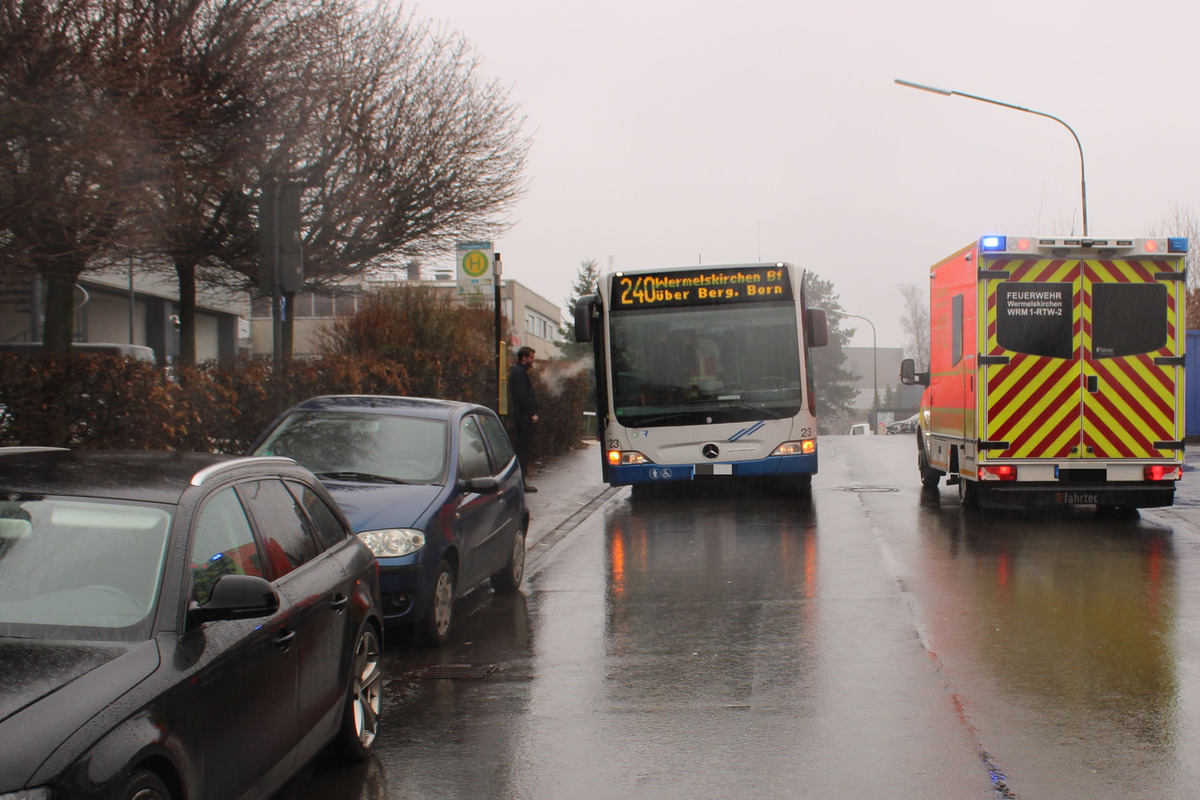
[626, 475]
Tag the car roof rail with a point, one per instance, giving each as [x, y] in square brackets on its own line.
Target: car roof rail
[206, 473]
[18, 449]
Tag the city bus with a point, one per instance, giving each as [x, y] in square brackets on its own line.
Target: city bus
[703, 372]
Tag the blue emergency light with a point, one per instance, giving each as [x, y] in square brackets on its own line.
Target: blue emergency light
[1177, 244]
[993, 243]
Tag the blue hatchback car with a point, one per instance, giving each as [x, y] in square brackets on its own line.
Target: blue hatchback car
[433, 487]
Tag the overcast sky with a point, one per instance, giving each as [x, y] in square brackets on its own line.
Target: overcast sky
[670, 132]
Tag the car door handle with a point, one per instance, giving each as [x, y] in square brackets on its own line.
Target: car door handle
[339, 602]
[284, 639]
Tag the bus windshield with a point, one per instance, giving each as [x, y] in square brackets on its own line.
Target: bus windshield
[702, 365]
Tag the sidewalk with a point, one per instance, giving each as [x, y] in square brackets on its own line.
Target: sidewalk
[569, 488]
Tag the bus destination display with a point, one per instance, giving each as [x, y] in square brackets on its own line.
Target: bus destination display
[717, 285]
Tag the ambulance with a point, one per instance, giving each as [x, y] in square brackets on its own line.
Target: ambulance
[1056, 372]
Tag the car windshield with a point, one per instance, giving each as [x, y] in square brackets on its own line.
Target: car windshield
[72, 568]
[362, 446]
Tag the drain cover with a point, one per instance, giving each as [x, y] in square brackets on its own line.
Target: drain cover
[474, 672]
[867, 489]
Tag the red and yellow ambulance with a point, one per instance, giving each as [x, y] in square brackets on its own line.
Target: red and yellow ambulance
[1056, 372]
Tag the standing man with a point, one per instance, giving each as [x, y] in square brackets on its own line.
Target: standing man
[523, 406]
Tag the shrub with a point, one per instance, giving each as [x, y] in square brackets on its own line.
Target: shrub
[103, 402]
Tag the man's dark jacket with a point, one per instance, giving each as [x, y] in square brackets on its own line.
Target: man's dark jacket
[523, 404]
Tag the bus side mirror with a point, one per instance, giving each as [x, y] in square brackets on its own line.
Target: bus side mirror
[817, 331]
[909, 375]
[584, 309]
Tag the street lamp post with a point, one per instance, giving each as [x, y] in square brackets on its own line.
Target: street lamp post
[874, 368]
[950, 92]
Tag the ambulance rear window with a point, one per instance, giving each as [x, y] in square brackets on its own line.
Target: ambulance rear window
[1035, 318]
[1128, 319]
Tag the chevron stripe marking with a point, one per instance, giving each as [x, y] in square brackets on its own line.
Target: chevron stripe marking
[1008, 404]
[1119, 419]
[1116, 437]
[1057, 395]
[1152, 395]
[1047, 420]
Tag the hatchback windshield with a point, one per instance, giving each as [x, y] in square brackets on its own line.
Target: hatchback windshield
[84, 565]
[407, 449]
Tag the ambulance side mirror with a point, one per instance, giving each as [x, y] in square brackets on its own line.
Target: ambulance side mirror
[909, 375]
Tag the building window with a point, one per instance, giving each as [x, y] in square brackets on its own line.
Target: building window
[322, 305]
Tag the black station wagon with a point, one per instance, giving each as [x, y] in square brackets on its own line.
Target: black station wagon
[177, 625]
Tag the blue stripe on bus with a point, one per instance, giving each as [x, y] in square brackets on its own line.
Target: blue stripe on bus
[746, 431]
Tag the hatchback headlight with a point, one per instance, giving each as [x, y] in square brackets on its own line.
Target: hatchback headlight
[392, 542]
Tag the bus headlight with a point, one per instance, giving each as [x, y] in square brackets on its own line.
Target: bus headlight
[622, 458]
[804, 447]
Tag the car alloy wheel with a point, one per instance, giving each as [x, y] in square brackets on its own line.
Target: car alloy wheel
[366, 689]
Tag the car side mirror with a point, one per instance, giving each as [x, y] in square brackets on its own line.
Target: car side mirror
[909, 375]
[485, 485]
[236, 597]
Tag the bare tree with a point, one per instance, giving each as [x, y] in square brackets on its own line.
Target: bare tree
[408, 152]
[151, 125]
[1182, 220]
[426, 152]
[212, 76]
[915, 323]
[71, 152]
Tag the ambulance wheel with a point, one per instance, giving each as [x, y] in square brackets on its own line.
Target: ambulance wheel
[968, 494]
[929, 476]
[1118, 512]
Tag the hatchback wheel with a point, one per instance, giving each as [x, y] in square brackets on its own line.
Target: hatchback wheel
[360, 719]
[509, 579]
[435, 627]
[144, 785]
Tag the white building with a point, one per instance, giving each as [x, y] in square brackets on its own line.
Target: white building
[132, 306]
[535, 319]
[135, 306]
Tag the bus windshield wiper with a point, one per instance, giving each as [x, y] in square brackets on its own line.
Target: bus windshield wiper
[760, 408]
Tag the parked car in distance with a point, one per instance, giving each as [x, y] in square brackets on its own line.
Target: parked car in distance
[177, 625]
[906, 425]
[135, 351]
[432, 486]
[860, 429]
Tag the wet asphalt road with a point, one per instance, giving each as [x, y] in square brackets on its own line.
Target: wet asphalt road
[871, 642]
